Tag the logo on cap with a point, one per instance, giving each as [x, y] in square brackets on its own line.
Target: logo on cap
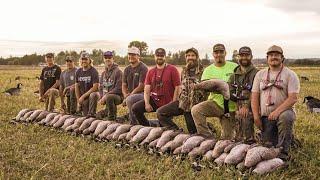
[108, 53]
[245, 50]
[160, 52]
[84, 55]
[218, 47]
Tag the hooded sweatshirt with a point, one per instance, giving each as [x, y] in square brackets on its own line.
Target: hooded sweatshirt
[111, 81]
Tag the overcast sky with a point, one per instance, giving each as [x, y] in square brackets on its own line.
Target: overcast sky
[43, 25]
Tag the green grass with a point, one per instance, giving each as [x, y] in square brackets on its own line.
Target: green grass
[36, 152]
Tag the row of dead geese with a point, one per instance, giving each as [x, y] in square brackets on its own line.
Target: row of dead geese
[159, 140]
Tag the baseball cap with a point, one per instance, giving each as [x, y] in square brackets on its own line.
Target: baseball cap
[193, 50]
[275, 48]
[49, 55]
[69, 58]
[133, 50]
[108, 53]
[84, 55]
[160, 51]
[218, 47]
[245, 50]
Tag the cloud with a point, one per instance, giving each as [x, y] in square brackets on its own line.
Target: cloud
[296, 5]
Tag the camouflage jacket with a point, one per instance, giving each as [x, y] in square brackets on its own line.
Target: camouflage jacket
[240, 84]
[189, 97]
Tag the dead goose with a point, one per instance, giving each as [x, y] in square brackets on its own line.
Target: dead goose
[268, 166]
[258, 154]
[178, 141]
[41, 116]
[219, 148]
[68, 122]
[120, 130]
[133, 131]
[85, 124]
[33, 116]
[141, 135]
[48, 118]
[204, 147]
[312, 103]
[13, 91]
[101, 127]
[167, 136]
[92, 127]
[21, 114]
[76, 124]
[110, 129]
[220, 160]
[26, 115]
[54, 120]
[237, 154]
[61, 121]
[155, 133]
[191, 143]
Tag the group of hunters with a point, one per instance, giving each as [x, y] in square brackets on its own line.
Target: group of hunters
[262, 98]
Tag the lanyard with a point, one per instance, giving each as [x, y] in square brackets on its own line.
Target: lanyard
[156, 82]
[269, 85]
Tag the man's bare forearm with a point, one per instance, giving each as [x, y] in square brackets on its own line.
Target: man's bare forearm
[255, 104]
[138, 89]
[176, 93]
[94, 88]
[288, 103]
[147, 94]
[77, 90]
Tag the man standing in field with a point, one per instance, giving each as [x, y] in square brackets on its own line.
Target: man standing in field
[110, 86]
[214, 106]
[162, 86]
[191, 74]
[274, 93]
[66, 89]
[133, 81]
[86, 87]
[49, 82]
[240, 89]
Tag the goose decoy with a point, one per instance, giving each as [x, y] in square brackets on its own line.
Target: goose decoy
[312, 103]
[13, 91]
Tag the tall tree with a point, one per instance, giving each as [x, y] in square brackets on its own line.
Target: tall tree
[141, 45]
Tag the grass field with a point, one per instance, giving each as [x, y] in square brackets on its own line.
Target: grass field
[36, 152]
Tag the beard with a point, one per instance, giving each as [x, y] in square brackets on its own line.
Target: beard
[244, 63]
[191, 64]
[160, 62]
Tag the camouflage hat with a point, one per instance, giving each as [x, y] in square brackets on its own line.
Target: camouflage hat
[245, 50]
[69, 58]
[193, 50]
[160, 51]
[218, 47]
[84, 55]
[275, 48]
[49, 55]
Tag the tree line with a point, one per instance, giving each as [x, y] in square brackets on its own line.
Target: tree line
[176, 58]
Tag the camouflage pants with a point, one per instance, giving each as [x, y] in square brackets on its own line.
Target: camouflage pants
[244, 128]
[50, 99]
[210, 109]
[279, 132]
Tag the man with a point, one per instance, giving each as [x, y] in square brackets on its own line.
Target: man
[66, 89]
[49, 82]
[235, 56]
[188, 97]
[240, 89]
[214, 106]
[86, 87]
[162, 86]
[133, 79]
[274, 93]
[110, 86]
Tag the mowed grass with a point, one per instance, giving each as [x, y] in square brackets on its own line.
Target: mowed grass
[36, 152]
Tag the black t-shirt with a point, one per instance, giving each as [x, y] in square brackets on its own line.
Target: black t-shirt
[86, 79]
[132, 76]
[49, 75]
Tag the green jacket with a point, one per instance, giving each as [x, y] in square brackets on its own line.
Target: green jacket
[240, 84]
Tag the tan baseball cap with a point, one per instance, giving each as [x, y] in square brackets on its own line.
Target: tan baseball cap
[275, 48]
[218, 47]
